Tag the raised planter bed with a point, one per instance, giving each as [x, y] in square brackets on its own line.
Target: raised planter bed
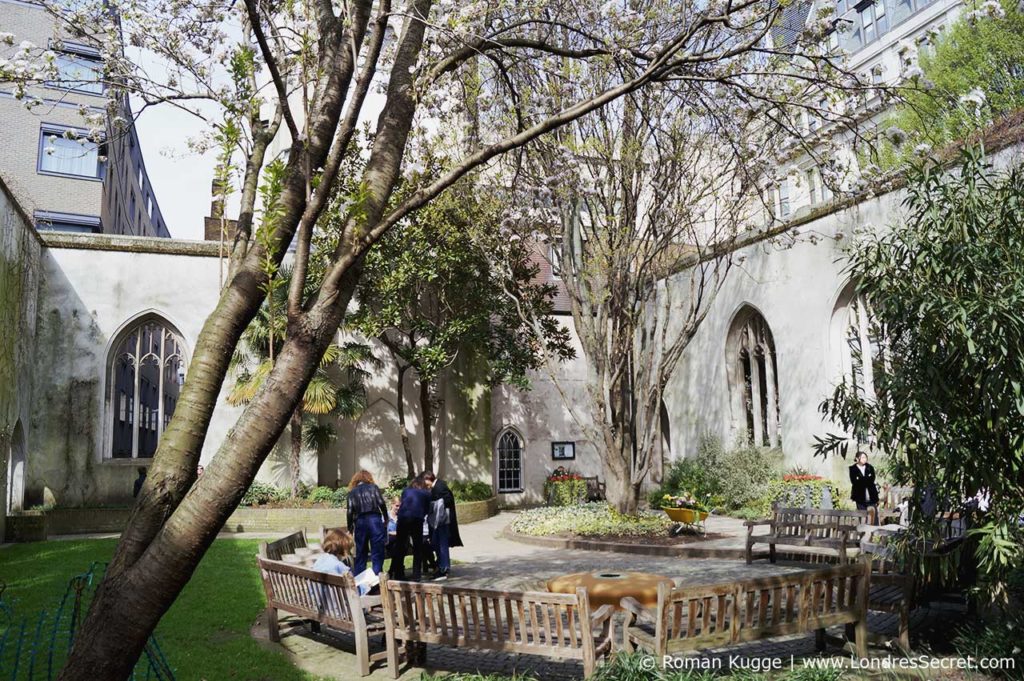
[37, 526]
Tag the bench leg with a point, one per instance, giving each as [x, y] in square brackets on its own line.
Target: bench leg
[363, 652]
[750, 552]
[771, 553]
[904, 640]
[819, 640]
[273, 627]
[861, 636]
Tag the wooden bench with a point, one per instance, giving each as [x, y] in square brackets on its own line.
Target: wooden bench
[692, 618]
[892, 589]
[595, 488]
[332, 600]
[536, 623]
[807, 527]
[293, 544]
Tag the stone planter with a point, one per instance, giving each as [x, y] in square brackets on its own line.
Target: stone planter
[27, 526]
[36, 525]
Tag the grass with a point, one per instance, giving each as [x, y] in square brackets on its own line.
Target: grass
[205, 634]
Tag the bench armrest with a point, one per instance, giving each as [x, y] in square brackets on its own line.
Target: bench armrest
[368, 602]
[601, 616]
[634, 610]
[754, 523]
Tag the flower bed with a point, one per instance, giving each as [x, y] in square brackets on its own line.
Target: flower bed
[565, 488]
[588, 520]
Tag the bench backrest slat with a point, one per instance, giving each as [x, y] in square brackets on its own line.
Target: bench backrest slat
[276, 549]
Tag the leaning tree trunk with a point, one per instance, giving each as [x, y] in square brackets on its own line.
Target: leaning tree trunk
[410, 465]
[295, 455]
[427, 413]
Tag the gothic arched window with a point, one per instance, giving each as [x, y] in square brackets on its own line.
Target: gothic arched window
[754, 378]
[859, 342]
[510, 462]
[146, 370]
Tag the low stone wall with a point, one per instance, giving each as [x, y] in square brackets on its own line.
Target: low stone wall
[38, 526]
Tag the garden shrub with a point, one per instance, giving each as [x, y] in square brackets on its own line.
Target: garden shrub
[260, 493]
[397, 484]
[326, 495]
[996, 638]
[746, 473]
[795, 491]
[731, 480]
[470, 490]
[565, 488]
[592, 519]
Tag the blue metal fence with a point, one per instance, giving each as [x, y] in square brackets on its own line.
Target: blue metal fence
[34, 648]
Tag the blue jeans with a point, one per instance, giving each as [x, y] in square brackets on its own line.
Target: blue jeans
[440, 541]
[370, 531]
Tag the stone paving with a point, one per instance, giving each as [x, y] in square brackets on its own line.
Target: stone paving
[492, 561]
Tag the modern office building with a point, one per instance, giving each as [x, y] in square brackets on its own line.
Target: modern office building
[64, 178]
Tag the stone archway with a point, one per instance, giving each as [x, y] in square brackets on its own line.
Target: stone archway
[16, 460]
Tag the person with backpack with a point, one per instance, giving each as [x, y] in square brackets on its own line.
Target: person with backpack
[444, 523]
[412, 511]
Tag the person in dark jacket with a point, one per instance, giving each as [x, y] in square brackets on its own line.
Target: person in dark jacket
[367, 520]
[412, 512]
[444, 523]
[863, 492]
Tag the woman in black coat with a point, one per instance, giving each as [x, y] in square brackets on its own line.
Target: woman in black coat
[445, 528]
[863, 492]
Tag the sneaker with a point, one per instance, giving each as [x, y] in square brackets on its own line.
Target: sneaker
[440, 576]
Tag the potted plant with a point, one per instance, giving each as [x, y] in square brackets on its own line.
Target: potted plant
[684, 508]
[565, 488]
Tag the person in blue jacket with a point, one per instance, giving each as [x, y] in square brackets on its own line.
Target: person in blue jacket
[367, 518]
[412, 513]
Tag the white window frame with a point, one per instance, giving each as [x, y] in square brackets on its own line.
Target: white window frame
[498, 450]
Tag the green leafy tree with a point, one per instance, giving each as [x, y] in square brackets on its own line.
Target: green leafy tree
[972, 75]
[449, 282]
[336, 390]
[946, 293]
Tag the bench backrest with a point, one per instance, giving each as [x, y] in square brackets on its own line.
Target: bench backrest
[541, 623]
[818, 523]
[327, 598]
[702, 617]
[283, 546]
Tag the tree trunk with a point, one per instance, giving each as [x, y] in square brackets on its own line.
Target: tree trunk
[427, 413]
[295, 456]
[410, 465]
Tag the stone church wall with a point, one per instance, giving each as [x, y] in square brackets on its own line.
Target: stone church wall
[19, 295]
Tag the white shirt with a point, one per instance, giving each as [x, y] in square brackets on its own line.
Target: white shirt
[864, 472]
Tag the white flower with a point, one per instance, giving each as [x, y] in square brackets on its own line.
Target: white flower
[913, 72]
[922, 149]
[27, 46]
[6, 38]
[975, 98]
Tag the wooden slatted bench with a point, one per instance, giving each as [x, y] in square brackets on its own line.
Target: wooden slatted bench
[323, 598]
[893, 589]
[690, 618]
[537, 623]
[293, 544]
[833, 530]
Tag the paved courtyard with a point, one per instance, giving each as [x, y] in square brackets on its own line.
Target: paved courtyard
[490, 560]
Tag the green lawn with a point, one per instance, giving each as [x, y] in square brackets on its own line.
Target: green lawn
[205, 635]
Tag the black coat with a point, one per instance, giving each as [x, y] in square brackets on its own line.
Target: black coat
[860, 483]
[441, 491]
